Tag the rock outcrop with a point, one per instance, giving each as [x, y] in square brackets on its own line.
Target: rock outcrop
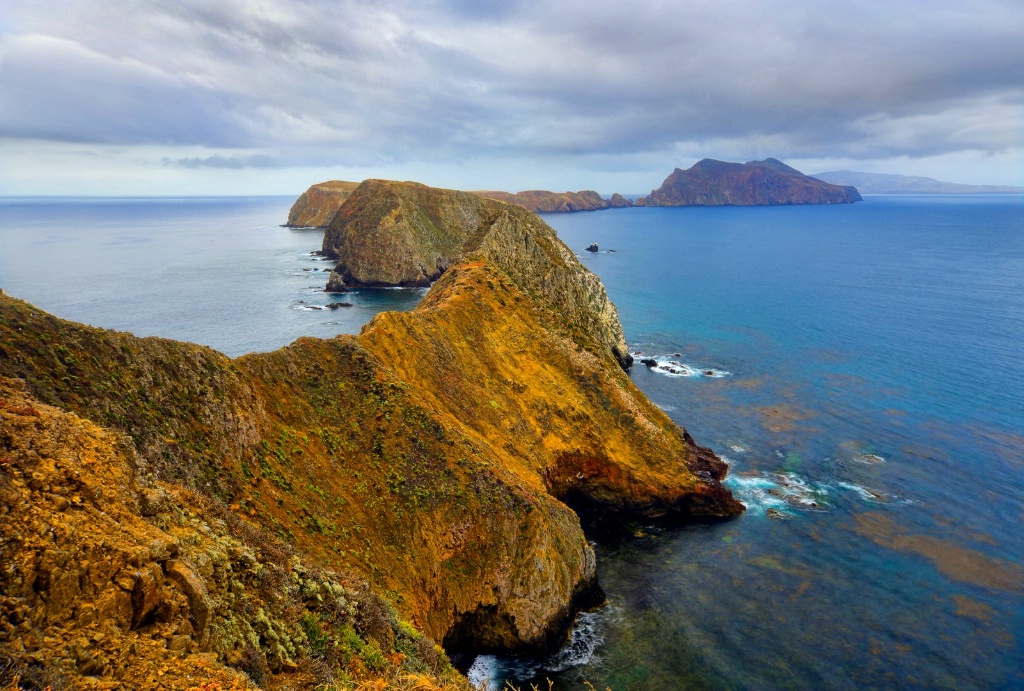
[167, 512]
[407, 234]
[542, 201]
[316, 206]
[755, 183]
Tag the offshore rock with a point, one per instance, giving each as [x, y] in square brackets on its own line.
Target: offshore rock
[407, 234]
[316, 206]
[768, 182]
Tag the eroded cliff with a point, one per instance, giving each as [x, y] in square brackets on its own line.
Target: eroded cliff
[407, 234]
[166, 510]
[316, 206]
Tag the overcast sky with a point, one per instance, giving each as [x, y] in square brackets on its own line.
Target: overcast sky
[269, 96]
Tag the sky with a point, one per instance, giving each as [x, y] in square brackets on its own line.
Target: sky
[239, 97]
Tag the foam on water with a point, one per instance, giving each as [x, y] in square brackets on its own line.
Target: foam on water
[491, 671]
[671, 367]
[779, 491]
[866, 494]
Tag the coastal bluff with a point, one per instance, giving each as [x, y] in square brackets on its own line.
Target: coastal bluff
[755, 183]
[406, 234]
[334, 509]
[316, 206]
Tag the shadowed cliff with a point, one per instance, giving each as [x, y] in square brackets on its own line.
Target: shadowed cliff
[756, 183]
[233, 509]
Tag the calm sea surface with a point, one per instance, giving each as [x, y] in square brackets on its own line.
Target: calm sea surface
[861, 367]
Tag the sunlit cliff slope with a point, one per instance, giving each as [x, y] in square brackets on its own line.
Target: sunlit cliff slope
[324, 512]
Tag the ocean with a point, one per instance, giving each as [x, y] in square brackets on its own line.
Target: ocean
[859, 366]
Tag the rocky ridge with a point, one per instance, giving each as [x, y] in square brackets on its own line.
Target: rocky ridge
[316, 206]
[755, 183]
[542, 201]
[224, 514]
[406, 234]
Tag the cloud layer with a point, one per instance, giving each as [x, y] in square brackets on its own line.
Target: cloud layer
[612, 85]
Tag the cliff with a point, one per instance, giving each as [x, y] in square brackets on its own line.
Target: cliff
[169, 513]
[542, 201]
[316, 206]
[406, 234]
[756, 183]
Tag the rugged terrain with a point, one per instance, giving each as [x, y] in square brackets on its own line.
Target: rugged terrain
[325, 512]
[755, 183]
[316, 206]
[406, 234]
[542, 201]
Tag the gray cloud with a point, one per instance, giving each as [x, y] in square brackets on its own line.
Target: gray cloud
[218, 161]
[363, 83]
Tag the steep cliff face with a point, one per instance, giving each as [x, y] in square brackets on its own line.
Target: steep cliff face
[542, 201]
[321, 445]
[114, 579]
[401, 233]
[166, 510]
[768, 182]
[316, 206]
[561, 416]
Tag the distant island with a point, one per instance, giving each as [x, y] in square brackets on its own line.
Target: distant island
[755, 183]
[885, 183]
[706, 183]
[542, 201]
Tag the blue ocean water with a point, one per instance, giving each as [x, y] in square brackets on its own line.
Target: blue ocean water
[862, 369]
[860, 366]
[216, 271]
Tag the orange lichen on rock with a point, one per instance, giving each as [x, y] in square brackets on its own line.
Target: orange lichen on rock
[315, 208]
[245, 512]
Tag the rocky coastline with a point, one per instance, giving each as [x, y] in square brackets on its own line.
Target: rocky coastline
[316, 206]
[756, 183]
[336, 508]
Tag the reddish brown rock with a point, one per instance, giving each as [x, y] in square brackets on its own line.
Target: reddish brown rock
[756, 183]
[316, 206]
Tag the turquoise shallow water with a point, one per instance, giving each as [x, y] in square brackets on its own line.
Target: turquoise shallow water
[867, 386]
